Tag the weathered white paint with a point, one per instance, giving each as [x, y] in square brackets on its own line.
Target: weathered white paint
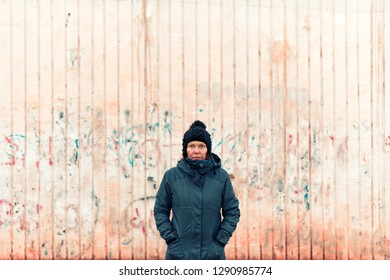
[96, 95]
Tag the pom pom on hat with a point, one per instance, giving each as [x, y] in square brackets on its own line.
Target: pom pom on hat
[198, 123]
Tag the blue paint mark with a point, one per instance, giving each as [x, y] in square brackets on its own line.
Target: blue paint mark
[75, 156]
[75, 152]
[306, 197]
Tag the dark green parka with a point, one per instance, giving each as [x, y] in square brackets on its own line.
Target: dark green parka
[197, 230]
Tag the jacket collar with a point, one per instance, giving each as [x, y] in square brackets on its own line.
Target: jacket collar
[187, 169]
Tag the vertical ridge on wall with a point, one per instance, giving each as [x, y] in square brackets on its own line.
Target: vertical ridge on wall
[6, 100]
[291, 185]
[308, 188]
[79, 138]
[277, 49]
[153, 129]
[99, 128]
[59, 134]
[17, 140]
[112, 127]
[138, 52]
[72, 229]
[241, 128]
[86, 140]
[378, 135]
[125, 132]
[286, 125]
[340, 139]
[32, 105]
[328, 129]
[228, 86]
[44, 207]
[189, 94]
[315, 195]
[353, 132]
[266, 221]
[163, 107]
[253, 116]
[177, 76]
[365, 129]
[215, 60]
[202, 64]
[386, 92]
[303, 126]
[370, 124]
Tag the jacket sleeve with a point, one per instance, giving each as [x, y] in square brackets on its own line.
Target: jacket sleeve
[162, 210]
[230, 213]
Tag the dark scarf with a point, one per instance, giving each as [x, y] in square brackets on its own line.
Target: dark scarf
[202, 166]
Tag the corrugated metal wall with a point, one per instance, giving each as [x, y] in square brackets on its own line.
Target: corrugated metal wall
[95, 96]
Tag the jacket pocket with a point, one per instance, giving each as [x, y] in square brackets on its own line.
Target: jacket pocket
[174, 251]
[215, 251]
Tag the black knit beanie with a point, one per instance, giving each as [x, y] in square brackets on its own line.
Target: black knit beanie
[196, 132]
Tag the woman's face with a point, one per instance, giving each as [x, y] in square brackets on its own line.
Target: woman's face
[196, 150]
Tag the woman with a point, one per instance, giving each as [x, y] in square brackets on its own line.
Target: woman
[197, 191]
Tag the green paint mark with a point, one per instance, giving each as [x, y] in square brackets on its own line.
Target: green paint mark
[75, 156]
[168, 128]
[18, 135]
[97, 201]
[219, 144]
[280, 186]
[75, 151]
[279, 210]
[126, 242]
[130, 159]
[201, 110]
[315, 136]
